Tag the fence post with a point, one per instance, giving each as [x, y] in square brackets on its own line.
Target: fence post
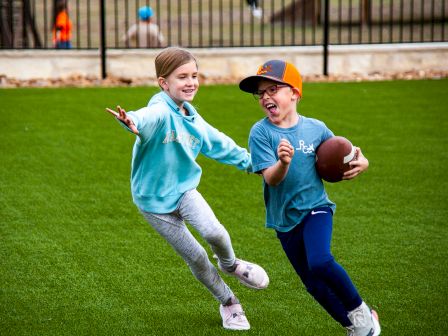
[103, 39]
[326, 35]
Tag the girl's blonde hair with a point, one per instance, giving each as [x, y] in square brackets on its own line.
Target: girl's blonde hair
[170, 59]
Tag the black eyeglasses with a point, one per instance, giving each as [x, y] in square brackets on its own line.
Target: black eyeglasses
[270, 90]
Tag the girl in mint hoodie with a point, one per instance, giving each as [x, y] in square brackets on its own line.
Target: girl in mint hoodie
[170, 134]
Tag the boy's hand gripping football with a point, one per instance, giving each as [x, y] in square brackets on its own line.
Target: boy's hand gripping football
[357, 166]
[285, 152]
[121, 115]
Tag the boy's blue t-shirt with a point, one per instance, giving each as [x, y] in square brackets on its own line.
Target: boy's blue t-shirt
[302, 190]
[164, 156]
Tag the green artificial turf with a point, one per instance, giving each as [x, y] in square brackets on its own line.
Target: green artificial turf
[76, 257]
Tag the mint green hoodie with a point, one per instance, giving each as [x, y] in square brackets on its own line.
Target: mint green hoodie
[164, 156]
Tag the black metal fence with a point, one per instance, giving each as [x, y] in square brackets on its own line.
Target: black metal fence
[28, 24]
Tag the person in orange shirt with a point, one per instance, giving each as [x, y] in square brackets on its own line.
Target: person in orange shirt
[62, 26]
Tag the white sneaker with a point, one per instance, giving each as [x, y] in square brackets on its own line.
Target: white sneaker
[250, 275]
[365, 321]
[233, 317]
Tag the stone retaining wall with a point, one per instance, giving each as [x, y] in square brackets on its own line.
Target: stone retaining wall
[221, 64]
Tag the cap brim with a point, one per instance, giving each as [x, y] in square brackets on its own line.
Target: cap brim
[250, 84]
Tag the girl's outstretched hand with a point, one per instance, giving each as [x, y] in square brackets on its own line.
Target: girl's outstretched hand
[357, 166]
[121, 115]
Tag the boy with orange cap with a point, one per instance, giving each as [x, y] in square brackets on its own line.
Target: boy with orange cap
[283, 147]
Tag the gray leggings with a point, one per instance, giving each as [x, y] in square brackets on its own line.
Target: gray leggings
[194, 209]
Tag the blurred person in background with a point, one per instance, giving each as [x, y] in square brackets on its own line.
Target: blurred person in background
[62, 26]
[255, 8]
[146, 33]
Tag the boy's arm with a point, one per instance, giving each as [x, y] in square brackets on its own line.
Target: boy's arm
[277, 173]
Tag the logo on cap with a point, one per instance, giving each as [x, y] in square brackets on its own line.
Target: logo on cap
[276, 70]
[265, 68]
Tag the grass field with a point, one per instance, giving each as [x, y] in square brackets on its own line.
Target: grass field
[76, 258]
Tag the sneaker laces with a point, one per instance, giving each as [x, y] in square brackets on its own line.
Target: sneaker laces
[235, 310]
[237, 314]
[234, 317]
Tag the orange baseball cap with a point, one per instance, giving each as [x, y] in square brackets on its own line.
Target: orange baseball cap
[276, 70]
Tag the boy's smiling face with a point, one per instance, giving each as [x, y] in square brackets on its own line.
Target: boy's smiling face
[279, 104]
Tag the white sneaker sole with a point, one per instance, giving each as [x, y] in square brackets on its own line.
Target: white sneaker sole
[376, 323]
[233, 327]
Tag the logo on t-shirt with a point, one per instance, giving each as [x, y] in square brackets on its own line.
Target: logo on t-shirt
[182, 138]
[304, 148]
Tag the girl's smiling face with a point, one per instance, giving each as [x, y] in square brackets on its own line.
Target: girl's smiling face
[182, 84]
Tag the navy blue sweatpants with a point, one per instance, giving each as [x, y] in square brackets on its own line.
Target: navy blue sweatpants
[308, 249]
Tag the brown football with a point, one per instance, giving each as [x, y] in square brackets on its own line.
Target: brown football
[333, 157]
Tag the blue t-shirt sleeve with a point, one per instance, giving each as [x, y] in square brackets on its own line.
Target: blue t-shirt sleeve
[261, 149]
[326, 133]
